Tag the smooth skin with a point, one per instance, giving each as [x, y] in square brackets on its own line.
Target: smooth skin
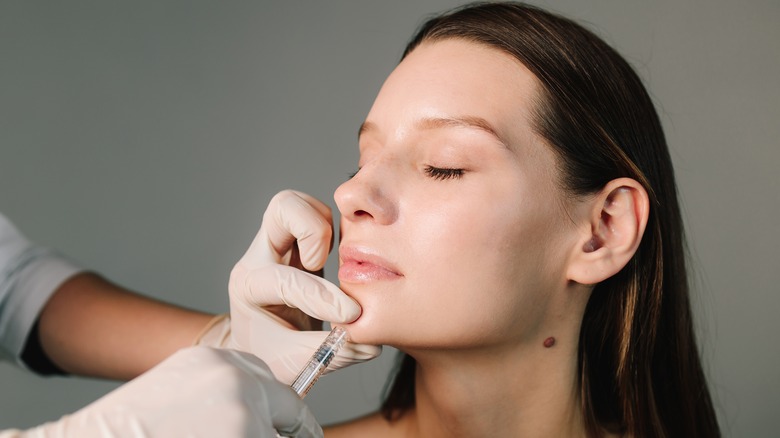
[464, 251]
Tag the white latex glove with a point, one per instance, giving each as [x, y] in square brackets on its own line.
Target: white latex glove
[197, 392]
[276, 307]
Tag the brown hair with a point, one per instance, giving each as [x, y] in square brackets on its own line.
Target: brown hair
[639, 368]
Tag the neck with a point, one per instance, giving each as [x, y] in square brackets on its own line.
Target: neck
[530, 391]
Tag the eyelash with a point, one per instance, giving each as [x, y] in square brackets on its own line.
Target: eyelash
[443, 173]
[433, 172]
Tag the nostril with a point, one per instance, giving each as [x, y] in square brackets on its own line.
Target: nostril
[361, 213]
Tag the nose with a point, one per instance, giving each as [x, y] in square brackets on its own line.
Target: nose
[366, 197]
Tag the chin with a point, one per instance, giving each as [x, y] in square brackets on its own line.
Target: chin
[366, 330]
[386, 323]
[400, 335]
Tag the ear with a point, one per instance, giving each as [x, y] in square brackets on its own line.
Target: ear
[614, 220]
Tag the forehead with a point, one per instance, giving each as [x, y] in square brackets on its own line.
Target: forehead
[458, 78]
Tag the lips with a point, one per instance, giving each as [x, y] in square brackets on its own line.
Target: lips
[363, 265]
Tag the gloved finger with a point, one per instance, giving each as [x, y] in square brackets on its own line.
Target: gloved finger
[298, 349]
[292, 216]
[314, 242]
[289, 415]
[307, 344]
[279, 284]
[351, 354]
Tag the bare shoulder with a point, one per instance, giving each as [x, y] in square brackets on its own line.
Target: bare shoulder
[373, 425]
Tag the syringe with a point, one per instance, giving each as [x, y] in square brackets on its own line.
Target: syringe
[319, 361]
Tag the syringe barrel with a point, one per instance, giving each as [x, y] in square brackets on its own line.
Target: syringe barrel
[316, 366]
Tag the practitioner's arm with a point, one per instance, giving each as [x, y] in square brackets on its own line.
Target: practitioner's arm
[93, 327]
[56, 317]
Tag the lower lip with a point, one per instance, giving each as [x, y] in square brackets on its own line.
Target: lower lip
[361, 272]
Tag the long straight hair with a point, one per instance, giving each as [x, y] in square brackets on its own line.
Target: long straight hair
[639, 368]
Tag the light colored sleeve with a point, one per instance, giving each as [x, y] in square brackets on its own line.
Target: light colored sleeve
[29, 275]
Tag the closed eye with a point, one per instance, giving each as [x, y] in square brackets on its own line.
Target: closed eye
[443, 173]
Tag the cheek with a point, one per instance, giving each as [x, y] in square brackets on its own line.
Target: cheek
[478, 266]
[479, 273]
[492, 269]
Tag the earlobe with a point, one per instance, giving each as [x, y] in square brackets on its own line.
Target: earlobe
[615, 222]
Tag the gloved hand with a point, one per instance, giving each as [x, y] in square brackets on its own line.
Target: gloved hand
[276, 307]
[197, 392]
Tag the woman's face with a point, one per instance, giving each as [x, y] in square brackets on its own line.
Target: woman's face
[454, 230]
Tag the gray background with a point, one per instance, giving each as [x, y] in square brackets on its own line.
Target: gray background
[144, 139]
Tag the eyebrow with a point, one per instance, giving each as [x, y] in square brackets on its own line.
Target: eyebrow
[445, 122]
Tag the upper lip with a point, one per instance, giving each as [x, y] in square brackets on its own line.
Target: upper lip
[362, 254]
